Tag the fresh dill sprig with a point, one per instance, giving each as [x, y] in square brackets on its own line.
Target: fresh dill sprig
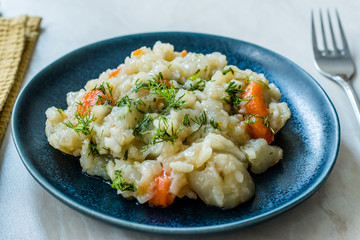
[195, 75]
[119, 183]
[214, 124]
[168, 94]
[60, 111]
[83, 123]
[140, 85]
[103, 101]
[234, 90]
[142, 127]
[126, 155]
[162, 135]
[106, 149]
[93, 148]
[264, 84]
[139, 102]
[266, 122]
[202, 120]
[124, 102]
[251, 119]
[103, 86]
[159, 77]
[206, 68]
[198, 85]
[158, 86]
[226, 71]
[186, 120]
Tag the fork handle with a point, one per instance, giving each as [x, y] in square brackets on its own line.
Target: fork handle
[350, 92]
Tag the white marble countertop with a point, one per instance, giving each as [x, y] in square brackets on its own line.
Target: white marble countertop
[27, 211]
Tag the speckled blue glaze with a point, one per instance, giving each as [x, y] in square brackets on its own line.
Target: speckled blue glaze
[310, 139]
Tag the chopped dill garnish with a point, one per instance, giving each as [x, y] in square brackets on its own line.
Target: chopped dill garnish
[124, 102]
[162, 135]
[159, 77]
[140, 85]
[60, 111]
[215, 125]
[126, 155]
[119, 183]
[186, 120]
[106, 149]
[139, 102]
[100, 100]
[103, 101]
[83, 123]
[202, 120]
[266, 122]
[168, 94]
[226, 71]
[103, 87]
[234, 100]
[158, 86]
[195, 75]
[264, 84]
[233, 88]
[142, 127]
[93, 148]
[198, 85]
[251, 119]
[109, 88]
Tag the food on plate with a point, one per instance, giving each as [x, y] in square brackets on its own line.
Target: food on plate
[167, 124]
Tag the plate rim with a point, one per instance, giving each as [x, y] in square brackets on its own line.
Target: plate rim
[177, 230]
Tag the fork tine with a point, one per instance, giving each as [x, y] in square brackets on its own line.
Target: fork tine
[336, 49]
[323, 32]
[343, 38]
[313, 35]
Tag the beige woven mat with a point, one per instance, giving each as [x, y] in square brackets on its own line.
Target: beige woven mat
[18, 37]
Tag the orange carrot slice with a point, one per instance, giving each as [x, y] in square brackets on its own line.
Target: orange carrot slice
[114, 73]
[183, 53]
[257, 129]
[92, 98]
[138, 52]
[162, 197]
[256, 106]
[255, 95]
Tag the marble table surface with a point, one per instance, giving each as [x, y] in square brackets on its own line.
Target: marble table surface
[27, 211]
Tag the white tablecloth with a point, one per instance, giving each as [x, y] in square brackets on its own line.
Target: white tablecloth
[27, 211]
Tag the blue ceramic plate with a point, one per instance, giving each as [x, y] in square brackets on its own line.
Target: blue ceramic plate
[310, 139]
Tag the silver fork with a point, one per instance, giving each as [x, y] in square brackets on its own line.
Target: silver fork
[335, 64]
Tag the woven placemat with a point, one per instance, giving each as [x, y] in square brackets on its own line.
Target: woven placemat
[18, 37]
